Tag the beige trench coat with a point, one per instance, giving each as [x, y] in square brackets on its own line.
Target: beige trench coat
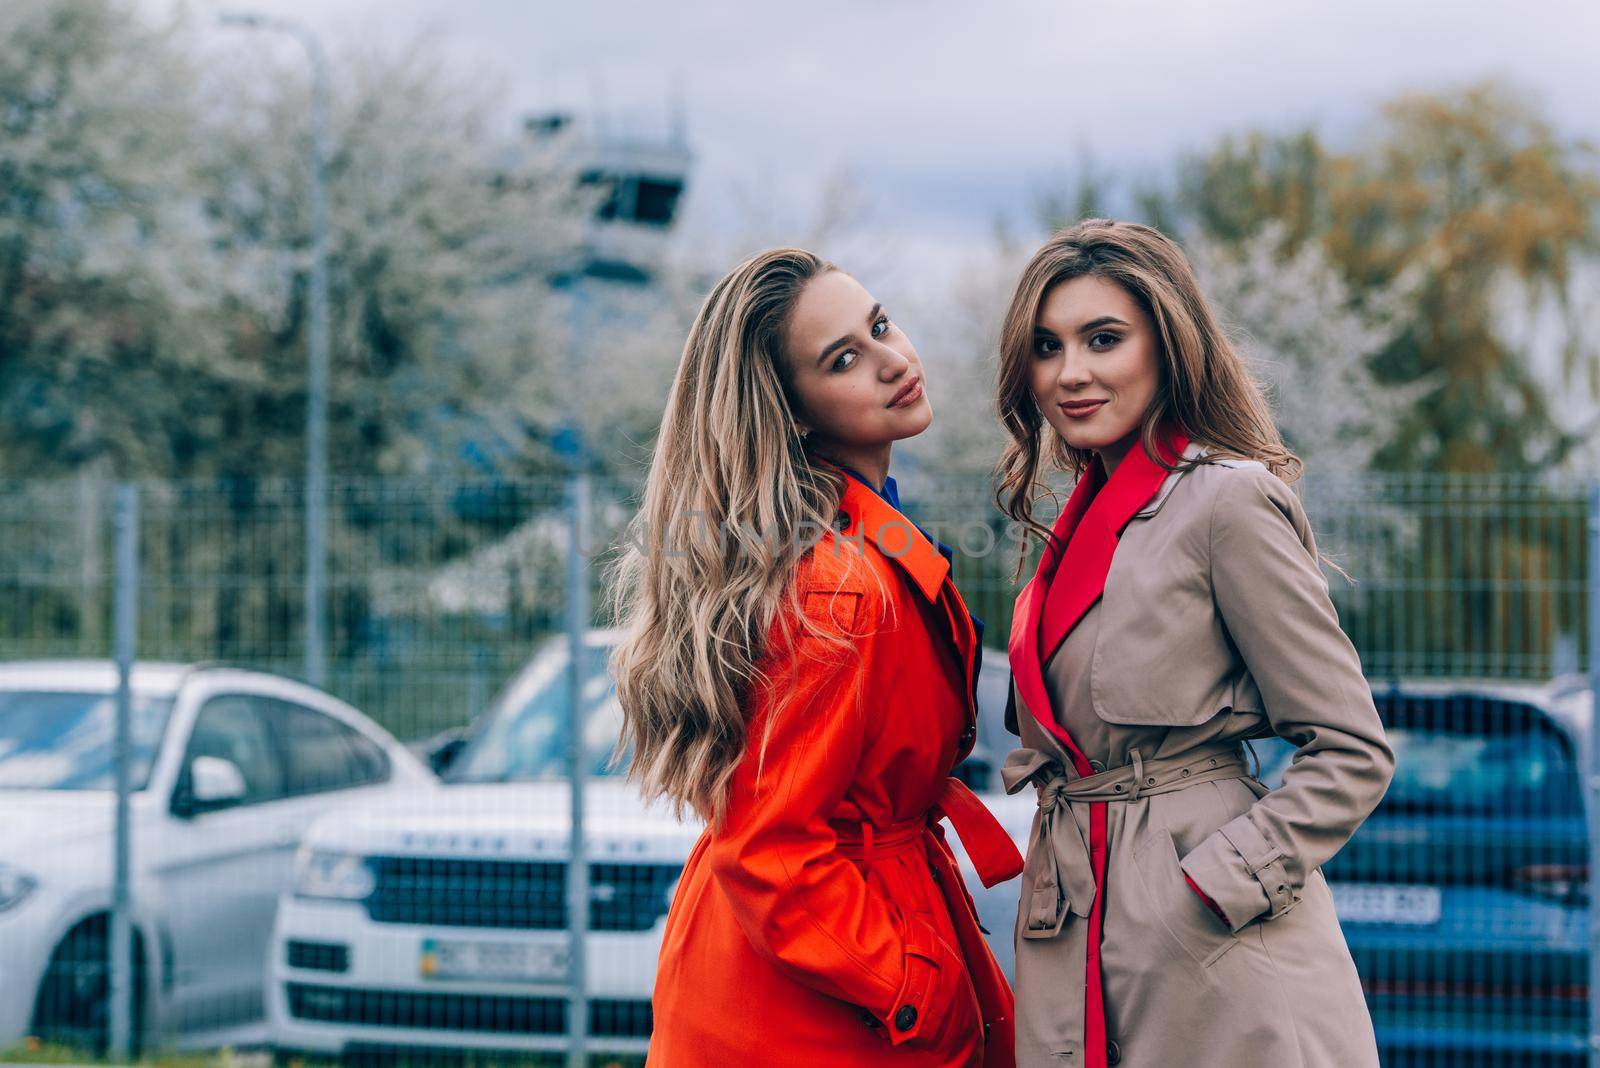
[1214, 626]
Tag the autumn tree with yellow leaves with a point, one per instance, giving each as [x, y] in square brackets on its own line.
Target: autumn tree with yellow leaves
[1487, 205]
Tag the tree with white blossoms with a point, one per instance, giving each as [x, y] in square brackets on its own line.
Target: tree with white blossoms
[155, 242]
[957, 332]
[1310, 344]
[109, 294]
[446, 342]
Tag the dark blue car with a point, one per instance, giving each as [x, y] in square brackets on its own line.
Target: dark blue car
[1464, 896]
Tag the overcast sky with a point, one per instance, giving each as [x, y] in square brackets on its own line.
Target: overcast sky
[949, 112]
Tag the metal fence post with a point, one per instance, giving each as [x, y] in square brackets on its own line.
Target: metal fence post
[127, 629]
[577, 864]
[1593, 807]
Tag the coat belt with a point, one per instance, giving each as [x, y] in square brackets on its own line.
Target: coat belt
[1058, 855]
[993, 854]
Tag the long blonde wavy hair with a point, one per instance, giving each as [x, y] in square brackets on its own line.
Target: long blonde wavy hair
[1205, 387]
[732, 504]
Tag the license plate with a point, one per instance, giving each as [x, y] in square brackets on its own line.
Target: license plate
[1414, 906]
[516, 962]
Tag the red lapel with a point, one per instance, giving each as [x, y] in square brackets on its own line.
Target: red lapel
[1065, 585]
[896, 537]
[876, 520]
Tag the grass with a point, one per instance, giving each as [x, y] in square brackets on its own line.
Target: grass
[33, 1051]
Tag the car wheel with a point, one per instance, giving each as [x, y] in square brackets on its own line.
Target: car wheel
[74, 1002]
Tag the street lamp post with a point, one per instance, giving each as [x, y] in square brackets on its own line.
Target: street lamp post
[316, 502]
[571, 448]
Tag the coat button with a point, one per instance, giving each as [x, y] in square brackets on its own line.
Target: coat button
[1113, 1052]
[906, 1018]
[1097, 765]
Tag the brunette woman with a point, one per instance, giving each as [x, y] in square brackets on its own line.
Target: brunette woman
[799, 671]
[1173, 908]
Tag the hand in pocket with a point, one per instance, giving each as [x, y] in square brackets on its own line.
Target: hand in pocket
[958, 1032]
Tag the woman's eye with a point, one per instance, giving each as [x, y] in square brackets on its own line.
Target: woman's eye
[1102, 341]
[1046, 346]
[835, 365]
[883, 322]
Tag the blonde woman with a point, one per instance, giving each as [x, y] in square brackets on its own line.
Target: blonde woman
[1173, 909]
[799, 671]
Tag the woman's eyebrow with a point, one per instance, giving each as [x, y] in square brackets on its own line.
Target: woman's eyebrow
[871, 317]
[1104, 320]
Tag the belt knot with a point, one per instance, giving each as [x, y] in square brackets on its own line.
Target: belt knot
[1052, 794]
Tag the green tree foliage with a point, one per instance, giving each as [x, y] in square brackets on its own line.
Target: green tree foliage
[1237, 187]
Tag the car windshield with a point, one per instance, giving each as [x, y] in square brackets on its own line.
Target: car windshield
[1465, 756]
[525, 734]
[63, 741]
[1460, 773]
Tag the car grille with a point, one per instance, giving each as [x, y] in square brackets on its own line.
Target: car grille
[1476, 995]
[519, 894]
[485, 1013]
[319, 956]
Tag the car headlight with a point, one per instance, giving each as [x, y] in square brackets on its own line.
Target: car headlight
[15, 886]
[320, 873]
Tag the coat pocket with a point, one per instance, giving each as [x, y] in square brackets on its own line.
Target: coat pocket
[1186, 694]
[1180, 910]
[1143, 713]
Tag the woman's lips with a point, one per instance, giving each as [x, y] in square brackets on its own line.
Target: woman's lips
[1079, 409]
[907, 396]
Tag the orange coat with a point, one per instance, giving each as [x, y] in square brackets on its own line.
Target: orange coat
[826, 922]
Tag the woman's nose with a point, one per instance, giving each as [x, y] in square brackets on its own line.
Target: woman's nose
[894, 364]
[1074, 368]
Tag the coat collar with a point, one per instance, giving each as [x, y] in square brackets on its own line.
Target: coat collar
[1072, 569]
[866, 515]
[871, 517]
[1194, 450]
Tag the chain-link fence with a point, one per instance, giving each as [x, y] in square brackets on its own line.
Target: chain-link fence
[299, 877]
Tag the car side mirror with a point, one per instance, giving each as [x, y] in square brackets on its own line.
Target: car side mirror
[440, 751]
[215, 783]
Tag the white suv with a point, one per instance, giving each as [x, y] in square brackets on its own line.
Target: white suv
[228, 769]
[442, 924]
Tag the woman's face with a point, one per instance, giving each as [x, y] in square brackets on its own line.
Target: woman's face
[1095, 369]
[855, 377]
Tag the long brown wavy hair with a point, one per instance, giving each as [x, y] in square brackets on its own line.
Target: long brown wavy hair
[732, 504]
[1205, 388]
